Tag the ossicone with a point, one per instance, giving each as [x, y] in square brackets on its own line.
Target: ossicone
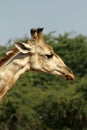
[39, 33]
[36, 34]
[39, 29]
[33, 32]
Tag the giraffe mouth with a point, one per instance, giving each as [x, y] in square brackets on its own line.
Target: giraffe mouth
[69, 76]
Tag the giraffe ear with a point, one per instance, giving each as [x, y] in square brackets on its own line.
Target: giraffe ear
[23, 47]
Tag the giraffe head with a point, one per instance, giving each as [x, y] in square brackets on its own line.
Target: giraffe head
[42, 57]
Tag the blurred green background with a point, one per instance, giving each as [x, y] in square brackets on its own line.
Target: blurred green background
[46, 102]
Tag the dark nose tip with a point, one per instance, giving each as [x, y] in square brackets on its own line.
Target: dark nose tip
[70, 75]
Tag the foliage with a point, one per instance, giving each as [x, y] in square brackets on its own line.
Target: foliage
[41, 102]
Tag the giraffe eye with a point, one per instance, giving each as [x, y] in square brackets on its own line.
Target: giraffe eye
[49, 55]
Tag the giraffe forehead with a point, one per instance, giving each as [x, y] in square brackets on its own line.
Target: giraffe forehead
[50, 48]
[44, 50]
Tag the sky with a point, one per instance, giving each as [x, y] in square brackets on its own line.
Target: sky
[17, 17]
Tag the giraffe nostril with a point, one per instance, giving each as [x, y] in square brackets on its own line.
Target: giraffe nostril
[70, 77]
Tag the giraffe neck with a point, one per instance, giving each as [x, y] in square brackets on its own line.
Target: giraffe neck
[11, 71]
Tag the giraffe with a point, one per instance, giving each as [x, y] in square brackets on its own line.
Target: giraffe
[35, 55]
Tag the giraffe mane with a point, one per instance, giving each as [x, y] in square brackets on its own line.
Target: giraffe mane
[8, 56]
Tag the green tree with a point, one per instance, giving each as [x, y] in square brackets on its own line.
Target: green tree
[41, 102]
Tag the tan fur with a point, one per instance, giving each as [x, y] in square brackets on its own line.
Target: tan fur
[34, 55]
[4, 90]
